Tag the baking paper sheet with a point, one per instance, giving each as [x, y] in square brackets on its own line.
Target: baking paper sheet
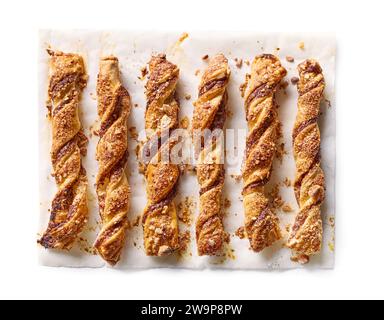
[134, 48]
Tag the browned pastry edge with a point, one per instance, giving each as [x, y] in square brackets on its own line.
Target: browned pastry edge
[306, 234]
[161, 236]
[113, 191]
[261, 224]
[69, 206]
[209, 113]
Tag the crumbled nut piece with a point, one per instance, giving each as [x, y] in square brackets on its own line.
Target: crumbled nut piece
[301, 45]
[240, 233]
[239, 62]
[290, 59]
[184, 122]
[294, 80]
[247, 62]
[187, 96]
[135, 105]
[229, 113]
[144, 72]
[205, 57]
[197, 72]
[287, 208]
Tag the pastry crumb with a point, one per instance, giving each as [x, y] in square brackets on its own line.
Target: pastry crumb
[183, 36]
[236, 177]
[227, 203]
[302, 259]
[238, 62]
[290, 59]
[328, 103]
[186, 167]
[229, 113]
[244, 85]
[133, 133]
[273, 194]
[184, 241]
[287, 208]
[187, 96]
[184, 122]
[197, 72]
[135, 222]
[185, 210]
[284, 84]
[240, 232]
[205, 57]
[287, 182]
[301, 45]
[331, 221]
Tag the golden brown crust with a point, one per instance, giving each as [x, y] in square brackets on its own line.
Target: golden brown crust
[69, 207]
[113, 192]
[161, 236]
[261, 224]
[306, 234]
[209, 113]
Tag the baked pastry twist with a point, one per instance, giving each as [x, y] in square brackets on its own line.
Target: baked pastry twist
[306, 234]
[161, 118]
[261, 224]
[209, 113]
[69, 206]
[113, 192]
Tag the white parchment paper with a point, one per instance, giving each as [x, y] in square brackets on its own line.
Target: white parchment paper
[134, 49]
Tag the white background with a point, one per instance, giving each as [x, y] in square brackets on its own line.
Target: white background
[360, 124]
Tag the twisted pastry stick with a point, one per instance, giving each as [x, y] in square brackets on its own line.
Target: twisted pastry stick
[114, 106]
[306, 234]
[209, 113]
[261, 224]
[161, 118]
[69, 206]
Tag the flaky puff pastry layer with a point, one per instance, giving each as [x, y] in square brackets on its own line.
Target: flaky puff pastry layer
[113, 191]
[209, 115]
[261, 224]
[67, 79]
[161, 236]
[306, 234]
